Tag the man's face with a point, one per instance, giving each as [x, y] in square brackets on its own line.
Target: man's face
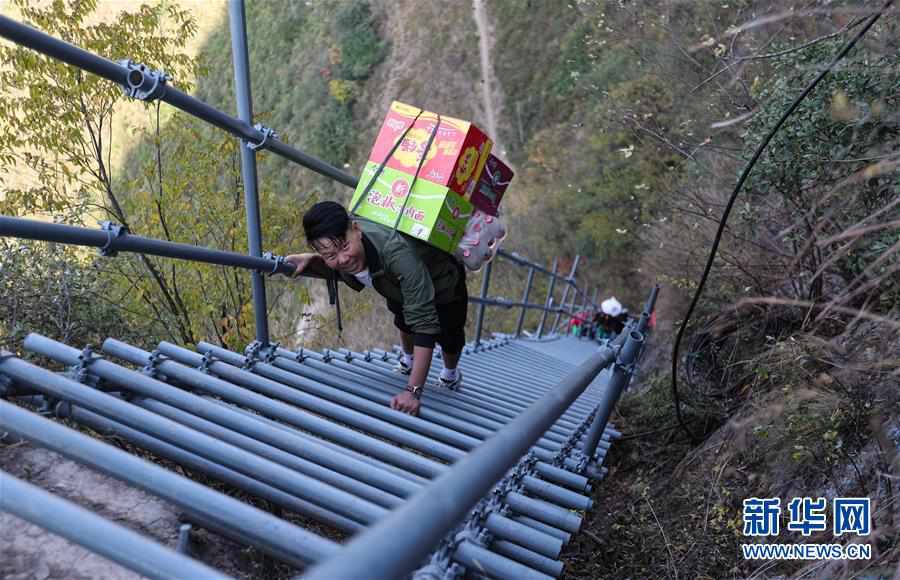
[344, 255]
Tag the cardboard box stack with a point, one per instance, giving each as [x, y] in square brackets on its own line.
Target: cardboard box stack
[441, 201]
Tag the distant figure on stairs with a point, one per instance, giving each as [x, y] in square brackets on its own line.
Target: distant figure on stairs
[425, 289]
[611, 318]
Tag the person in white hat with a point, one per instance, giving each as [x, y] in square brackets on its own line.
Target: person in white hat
[612, 316]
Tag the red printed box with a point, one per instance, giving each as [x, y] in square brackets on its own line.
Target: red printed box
[491, 186]
[455, 159]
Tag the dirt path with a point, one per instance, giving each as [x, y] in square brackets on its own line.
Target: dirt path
[490, 95]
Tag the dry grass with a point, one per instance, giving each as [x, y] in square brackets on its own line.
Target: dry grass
[815, 416]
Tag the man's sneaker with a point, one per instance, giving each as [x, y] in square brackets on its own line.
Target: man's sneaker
[402, 368]
[454, 384]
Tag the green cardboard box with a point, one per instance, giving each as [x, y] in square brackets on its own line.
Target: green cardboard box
[434, 213]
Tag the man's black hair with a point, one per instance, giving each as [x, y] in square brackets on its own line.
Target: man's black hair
[326, 219]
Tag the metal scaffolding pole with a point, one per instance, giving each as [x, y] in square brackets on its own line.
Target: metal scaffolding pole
[358, 486]
[287, 386]
[235, 519]
[99, 535]
[649, 307]
[504, 400]
[570, 281]
[479, 402]
[499, 525]
[141, 82]
[244, 99]
[276, 475]
[548, 445]
[547, 515]
[509, 304]
[525, 295]
[195, 462]
[549, 301]
[485, 282]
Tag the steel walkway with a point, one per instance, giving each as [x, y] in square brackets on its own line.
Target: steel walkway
[312, 433]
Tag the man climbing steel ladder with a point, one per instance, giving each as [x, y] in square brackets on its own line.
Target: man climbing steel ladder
[425, 289]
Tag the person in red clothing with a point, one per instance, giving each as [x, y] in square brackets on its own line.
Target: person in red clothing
[577, 323]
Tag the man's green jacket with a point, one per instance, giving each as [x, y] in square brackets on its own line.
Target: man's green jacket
[409, 272]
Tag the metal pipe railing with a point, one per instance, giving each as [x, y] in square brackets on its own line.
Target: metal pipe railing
[509, 304]
[83, 527]
[621, 375]
[537, 487]
[551, 418]
[523, 261]
[649, 307]
[111, 241]
[397, 544]
[138, 78]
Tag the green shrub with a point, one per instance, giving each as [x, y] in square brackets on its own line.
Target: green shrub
[360, 47]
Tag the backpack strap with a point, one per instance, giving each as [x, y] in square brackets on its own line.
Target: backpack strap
[418, 169]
